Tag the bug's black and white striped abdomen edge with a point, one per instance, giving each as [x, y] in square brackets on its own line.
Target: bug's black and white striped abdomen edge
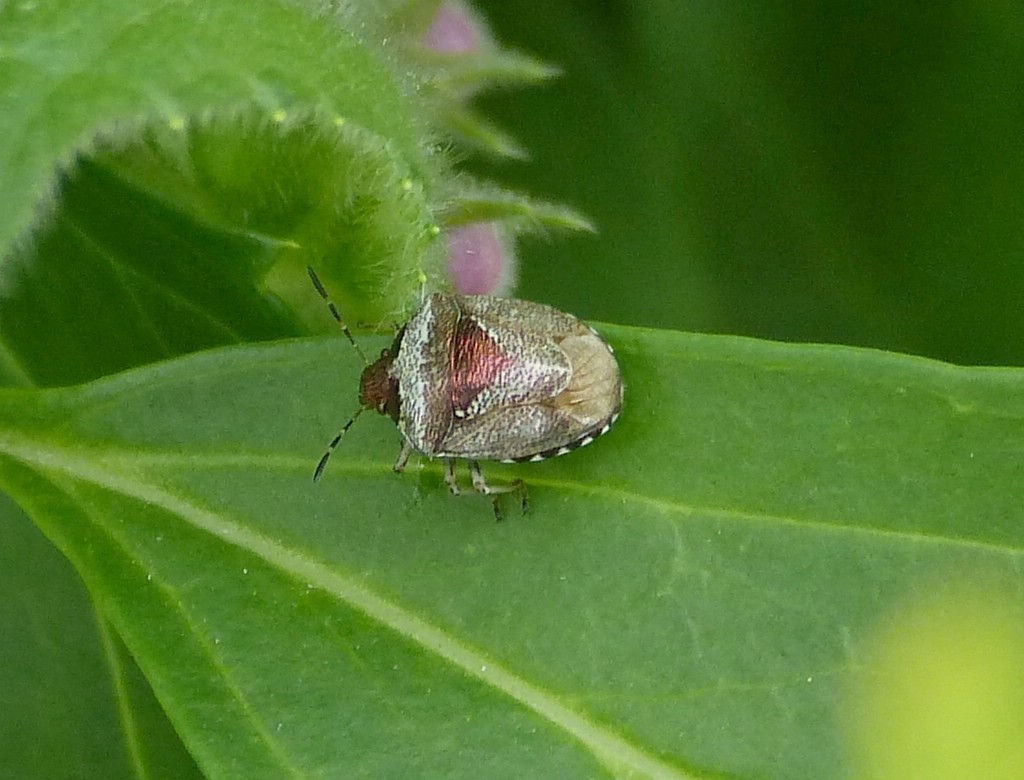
[565, 449]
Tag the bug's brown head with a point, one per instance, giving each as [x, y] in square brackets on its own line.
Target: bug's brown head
[378, 389]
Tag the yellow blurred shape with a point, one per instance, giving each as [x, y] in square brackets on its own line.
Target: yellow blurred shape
[941, 696]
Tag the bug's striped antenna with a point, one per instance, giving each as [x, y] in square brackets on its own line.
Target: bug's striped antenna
[334, 312]
[334, 445]
[348, 334]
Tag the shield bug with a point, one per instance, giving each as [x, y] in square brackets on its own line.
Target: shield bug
[483, 378]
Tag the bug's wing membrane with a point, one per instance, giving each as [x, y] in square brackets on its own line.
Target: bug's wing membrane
[594, 396]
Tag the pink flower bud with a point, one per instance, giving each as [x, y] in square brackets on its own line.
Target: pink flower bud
[478, 264]
[452, 31]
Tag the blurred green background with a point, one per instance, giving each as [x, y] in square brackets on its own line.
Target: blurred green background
[805, 171]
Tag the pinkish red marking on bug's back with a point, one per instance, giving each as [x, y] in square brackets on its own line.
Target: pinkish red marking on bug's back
[477, 361]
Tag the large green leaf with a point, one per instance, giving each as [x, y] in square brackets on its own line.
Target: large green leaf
[692, 595]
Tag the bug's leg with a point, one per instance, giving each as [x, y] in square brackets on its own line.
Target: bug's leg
[403, 458]
[480, 485]
[449, 476]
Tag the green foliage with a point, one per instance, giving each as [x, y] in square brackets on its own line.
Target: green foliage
[698, 594]
[805, 171]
